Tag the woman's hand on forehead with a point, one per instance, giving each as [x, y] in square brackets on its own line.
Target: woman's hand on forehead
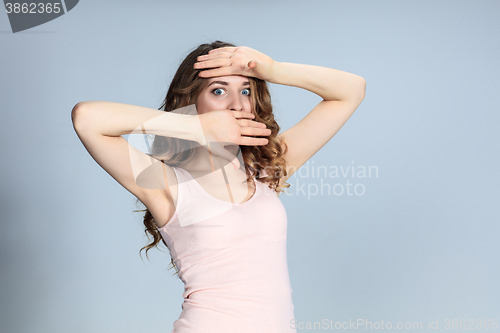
[241, 60]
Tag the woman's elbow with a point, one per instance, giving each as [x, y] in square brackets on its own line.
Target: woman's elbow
[363, 88]
[76, 113]
[359, 90]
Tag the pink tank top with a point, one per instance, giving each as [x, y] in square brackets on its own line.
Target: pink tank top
[232, 261]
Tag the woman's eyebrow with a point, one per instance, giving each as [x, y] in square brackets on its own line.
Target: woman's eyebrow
[224, 83]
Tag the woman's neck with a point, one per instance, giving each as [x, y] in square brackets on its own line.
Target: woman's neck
[204, 162]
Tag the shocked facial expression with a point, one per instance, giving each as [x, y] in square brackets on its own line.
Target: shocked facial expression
[230, 92]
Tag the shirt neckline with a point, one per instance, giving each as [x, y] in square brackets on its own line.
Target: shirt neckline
[256, 183]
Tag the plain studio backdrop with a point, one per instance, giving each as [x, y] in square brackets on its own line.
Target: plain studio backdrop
[414, 238]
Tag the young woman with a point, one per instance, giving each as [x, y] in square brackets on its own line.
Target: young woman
[212, 179]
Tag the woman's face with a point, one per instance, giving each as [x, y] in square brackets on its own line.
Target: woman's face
[230, 92]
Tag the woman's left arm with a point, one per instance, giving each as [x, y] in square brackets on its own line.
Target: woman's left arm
[342, 93]
[328, 83]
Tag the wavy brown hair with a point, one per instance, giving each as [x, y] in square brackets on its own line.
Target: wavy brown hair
[184, 90]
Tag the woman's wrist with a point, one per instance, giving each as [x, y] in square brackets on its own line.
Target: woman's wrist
[328, 83]
[175, 125]
[276, 68]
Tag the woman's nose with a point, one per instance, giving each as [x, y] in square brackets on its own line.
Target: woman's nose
[235, 104]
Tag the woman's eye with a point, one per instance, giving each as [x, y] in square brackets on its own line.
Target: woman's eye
[218, 91]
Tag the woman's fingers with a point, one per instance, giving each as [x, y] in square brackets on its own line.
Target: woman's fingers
[224, 61]
[223, 49]
[247, 123]
[251, 127]
[249, 141]
[212, 63]
[243, 114]
[211, 56]
[250, 130]
[236, 61]
[221, 67]
[254, 131]
[222, 127]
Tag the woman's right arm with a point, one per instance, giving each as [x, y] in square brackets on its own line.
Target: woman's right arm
[100, 126]
[116, 119]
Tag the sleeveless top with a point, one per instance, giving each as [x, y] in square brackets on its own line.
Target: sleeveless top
[232, 261]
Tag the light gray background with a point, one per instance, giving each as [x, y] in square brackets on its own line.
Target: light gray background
[420, 244]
